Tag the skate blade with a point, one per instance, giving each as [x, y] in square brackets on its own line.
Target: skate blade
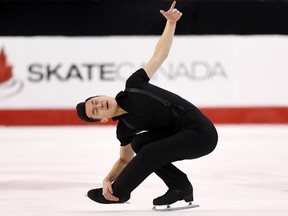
[171, 208]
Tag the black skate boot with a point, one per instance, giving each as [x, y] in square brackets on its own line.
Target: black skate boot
[174, 195]
[96, 195]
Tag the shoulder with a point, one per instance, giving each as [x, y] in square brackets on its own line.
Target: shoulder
[138, 77]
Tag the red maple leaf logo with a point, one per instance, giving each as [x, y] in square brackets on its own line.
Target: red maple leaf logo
[5, 68]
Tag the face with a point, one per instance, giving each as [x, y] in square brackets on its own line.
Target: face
[101, 107]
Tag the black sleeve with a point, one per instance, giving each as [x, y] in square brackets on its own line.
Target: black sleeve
[124, 134]
[137, 78]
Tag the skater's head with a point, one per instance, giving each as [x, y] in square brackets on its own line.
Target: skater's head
[81, 112]
[97, 108]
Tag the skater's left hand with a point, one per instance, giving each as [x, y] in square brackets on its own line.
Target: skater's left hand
[108, 191]
[173, 15]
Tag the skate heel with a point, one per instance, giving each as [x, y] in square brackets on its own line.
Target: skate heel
[189, 198]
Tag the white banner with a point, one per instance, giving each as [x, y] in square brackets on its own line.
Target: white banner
[218, 71]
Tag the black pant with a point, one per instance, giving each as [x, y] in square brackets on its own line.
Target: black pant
[156, 150]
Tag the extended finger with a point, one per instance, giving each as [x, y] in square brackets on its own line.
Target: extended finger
[173, 5]
[162, 12]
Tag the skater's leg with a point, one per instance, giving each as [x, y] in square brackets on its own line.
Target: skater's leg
[178, 188]
[171, 175]
[188, 144]
[177, 182]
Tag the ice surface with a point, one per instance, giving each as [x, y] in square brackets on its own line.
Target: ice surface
[48, 170]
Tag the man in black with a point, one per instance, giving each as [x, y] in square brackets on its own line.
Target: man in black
[158, 125]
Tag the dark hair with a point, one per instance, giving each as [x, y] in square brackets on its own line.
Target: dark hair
[81, 111]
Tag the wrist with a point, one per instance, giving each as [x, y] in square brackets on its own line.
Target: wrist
[172, 22]
[105, 180]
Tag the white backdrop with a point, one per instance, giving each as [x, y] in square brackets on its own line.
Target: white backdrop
[218, 71]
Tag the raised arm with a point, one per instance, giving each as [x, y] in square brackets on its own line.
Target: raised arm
[165, 42]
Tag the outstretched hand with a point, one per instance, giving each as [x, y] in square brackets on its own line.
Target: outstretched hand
[173, 15]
